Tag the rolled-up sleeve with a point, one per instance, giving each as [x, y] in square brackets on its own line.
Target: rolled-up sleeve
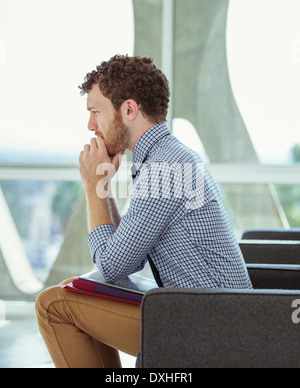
[98, 239]
[109, 256]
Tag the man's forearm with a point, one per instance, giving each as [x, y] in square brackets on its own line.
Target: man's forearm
[97, 210]
[113, 211]
[97, 169]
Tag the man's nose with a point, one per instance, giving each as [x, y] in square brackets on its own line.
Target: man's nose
[92, 124]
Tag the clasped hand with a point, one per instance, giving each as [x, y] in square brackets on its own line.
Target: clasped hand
[96, 167]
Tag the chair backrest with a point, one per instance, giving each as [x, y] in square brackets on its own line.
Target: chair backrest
[194, 328]
[270, 251]
[272, 234]
[270, 276]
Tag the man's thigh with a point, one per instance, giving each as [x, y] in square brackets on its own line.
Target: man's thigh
[114, 323]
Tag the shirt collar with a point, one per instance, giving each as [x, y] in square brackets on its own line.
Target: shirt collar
[147, 141]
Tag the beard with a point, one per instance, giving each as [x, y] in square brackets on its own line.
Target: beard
[118, 136]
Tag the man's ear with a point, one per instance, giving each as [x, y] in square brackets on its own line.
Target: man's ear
[129, 109]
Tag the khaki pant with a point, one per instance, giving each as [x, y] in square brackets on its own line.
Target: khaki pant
[83, 331]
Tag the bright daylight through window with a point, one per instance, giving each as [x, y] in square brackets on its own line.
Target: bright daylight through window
[243, 123]
[47, 47]
[263, 48]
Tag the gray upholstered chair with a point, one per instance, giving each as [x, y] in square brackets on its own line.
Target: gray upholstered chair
[271, 251]
[272, 234]
[195, 328]
[271, 246]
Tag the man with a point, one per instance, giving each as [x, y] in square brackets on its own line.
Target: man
[175, 220]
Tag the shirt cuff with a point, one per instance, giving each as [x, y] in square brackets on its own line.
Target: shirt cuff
[99, 236]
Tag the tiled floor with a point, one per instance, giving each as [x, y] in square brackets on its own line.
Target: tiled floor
[21, 345]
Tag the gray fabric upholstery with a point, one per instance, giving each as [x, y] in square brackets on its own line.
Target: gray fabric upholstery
[194, 328]
[281, 277]
[270, 252]
[272, 234]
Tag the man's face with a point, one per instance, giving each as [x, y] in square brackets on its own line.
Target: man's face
[106, 122]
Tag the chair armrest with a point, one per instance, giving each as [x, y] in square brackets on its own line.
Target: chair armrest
[193, 328]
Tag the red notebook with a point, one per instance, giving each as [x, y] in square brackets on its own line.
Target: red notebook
[71, 287]
[129, 290]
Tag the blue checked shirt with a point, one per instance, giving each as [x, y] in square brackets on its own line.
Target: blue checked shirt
[175, 216]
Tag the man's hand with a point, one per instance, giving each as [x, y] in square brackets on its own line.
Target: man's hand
[95, 164]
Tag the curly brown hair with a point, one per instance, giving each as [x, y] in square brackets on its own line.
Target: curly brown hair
[123, 77]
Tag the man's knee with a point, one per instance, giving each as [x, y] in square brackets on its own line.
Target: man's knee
[45, 299]
[49, 295]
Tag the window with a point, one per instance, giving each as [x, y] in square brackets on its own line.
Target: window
[263, 46]
[46, 49]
